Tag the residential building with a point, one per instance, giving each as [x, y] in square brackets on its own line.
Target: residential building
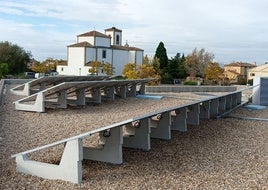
[95, 46]
[237, 71]
[259, 71]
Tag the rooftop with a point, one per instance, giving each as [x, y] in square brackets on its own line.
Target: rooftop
[240, 64]
[95, 34]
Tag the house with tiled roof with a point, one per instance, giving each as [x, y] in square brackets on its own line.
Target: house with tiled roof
[237, 71]
[259, 71]
[99, 47]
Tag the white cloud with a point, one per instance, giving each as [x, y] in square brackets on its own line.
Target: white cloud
[230, 29]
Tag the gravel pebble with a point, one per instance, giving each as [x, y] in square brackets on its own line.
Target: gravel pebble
[218, 154]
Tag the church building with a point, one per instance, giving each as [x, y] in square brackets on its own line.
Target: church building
[104, 48]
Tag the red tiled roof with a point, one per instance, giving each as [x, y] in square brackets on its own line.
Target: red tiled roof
[113, 29]
[64, 63]
[94, 33]
[234, 72]
[127, 48]
[81, 44]
[240, 64]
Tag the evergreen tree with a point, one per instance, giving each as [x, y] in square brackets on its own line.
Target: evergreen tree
[161, 54]
[173, 66]
[182, 74]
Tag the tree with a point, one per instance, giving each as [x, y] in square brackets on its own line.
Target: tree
[95, 66]
[15, 56]
[161, 54]
[50, 63]
[147, 69]
[39, 67]
[173, 66]
[197, 62]
[156, 65]
[130, 71]
[182, 74]
[47, 65]
[3, 69]
[214, 72]
[108, 68]
[174, 70]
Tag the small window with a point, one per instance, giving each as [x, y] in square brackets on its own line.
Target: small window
[62, 69]
[103, 54]
[117, 39]
[252, 74]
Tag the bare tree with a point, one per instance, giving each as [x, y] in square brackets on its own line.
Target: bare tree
[197, 62]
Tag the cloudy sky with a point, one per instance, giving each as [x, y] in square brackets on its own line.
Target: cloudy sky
[233, 30]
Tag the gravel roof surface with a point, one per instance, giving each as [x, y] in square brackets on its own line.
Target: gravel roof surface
[222, 153]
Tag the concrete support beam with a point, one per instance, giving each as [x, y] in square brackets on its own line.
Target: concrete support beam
[131, 91]
[62, 99]
[42, 86]
[80, 98]
[234, 100]
[228, 102]
[222, 104]
[37, 106]
[69, 169]
[111, 147]
[109, 93]
[239, 97]
[205, 110]
[193, 114]
[96, 96]
[142, 88]
[160, 126]
[122, 91]
[138, 136]
[179, 119]
[21, 90]
[214, 107]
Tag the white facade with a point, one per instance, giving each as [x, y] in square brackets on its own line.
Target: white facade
[104, 48]
[260, 71]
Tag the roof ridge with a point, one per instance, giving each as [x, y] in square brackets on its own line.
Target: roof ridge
[94, 33]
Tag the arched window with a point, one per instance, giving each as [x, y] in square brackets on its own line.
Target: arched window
[117, 39]
[104, 54]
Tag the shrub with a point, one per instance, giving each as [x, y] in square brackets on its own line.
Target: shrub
[190, 83]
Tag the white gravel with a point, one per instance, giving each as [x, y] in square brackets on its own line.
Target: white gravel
[217, 154]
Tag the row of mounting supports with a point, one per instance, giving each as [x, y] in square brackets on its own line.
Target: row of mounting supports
[136, 134]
